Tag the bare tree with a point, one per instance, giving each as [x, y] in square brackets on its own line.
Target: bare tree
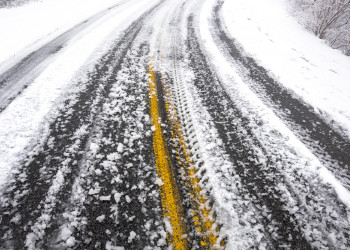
[327, 19]
[330, 14]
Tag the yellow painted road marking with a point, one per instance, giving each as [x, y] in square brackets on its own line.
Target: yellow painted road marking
[170, 198]
[203, 218]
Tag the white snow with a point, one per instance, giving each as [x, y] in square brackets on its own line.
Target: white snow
[94, 148]
[105, 198]
[94, 191]
[109, 246]
[101, 218]
[127, 198]
[120, 148]
[168, 226]
[299, 60]
[159, 182]
[66, 233]
[27, 27]
[117, 197]
[131, 236]
[98, 171]
[70, 241]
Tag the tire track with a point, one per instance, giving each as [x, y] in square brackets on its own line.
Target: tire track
[258, 169]
[43, 183]
[320, 137]
[216, 173]
[193, 224]
[15, 79]
[119, 203]
[202, 231]
[209, 162]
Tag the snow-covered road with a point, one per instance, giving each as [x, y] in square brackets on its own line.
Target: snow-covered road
[149, 125]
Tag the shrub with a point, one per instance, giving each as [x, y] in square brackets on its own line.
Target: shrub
[327, 19]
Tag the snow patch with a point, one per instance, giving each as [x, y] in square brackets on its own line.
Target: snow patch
[298, 59]
[131, 236]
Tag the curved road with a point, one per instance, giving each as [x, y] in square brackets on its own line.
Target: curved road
[153, 148]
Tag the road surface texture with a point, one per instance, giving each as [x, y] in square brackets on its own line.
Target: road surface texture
[153, 148]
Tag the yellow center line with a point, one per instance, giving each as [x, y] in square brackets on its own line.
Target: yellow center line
[170, 198]
[202, 217]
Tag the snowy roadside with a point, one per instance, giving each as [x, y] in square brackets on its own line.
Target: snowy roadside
[251, 104]
[299, 60]
[27, 118]
[291, 158]
[24, 29]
